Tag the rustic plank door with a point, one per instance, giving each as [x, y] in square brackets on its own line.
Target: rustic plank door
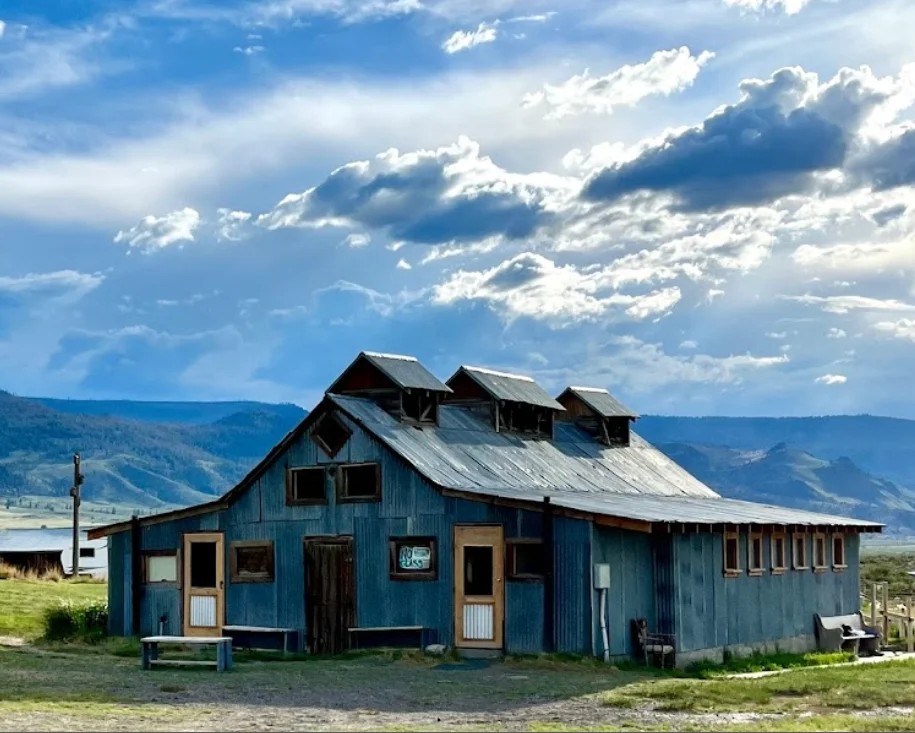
[203, 578]
[479, 590]
[330, 594]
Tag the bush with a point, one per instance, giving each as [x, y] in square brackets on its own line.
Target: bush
[70, 621]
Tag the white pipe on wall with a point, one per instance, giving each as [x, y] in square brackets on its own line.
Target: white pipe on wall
[603, 624]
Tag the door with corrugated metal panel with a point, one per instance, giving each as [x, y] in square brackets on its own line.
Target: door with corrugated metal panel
[204, 584]
[479, 588]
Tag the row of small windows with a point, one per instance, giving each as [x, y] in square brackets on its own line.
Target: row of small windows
[778, 553]
[354, 482]
[411, 558]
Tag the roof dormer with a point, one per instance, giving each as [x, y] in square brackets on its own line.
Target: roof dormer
[399, 384]
[516, 403]
[598, 413]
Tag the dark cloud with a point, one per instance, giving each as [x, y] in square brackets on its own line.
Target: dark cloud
[429, 197]
[889, 165]
[882, 217]
[770, 144]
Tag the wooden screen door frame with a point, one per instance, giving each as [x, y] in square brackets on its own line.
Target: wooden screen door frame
[218, 592]
[345, 616]
[480, 536]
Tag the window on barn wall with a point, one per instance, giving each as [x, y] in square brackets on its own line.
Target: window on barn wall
[413, 558]
[755, 563]
[359, 482]
[838, 552]
[731, 554]
[799, 552]
[525, 560]
[779, 553]
[160, 567]
[87, 552]
[306, 486]
[819, 552]
[330, 434]
[251, 561]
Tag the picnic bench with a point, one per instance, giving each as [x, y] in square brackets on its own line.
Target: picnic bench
[223, 644]
[290, 639]
[392, 634]
[846, 633]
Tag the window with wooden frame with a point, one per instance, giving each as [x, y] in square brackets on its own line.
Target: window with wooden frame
[819, 553]
[799, 551]
[731, 554]
[838, 552]
[306, 486]
[359, 482]
[330, 434]
[160, 566]
[251, 561]
[779, 551]
[413, 558]
[755, 561]
[525, 560]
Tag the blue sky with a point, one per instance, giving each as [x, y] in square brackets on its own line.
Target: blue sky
[706, 206]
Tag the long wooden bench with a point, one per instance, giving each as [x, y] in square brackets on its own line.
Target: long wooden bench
[856, 636]
[150, 654]
[291, 638]
[356, 633]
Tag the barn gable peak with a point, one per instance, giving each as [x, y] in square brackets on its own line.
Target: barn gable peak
[598, 413]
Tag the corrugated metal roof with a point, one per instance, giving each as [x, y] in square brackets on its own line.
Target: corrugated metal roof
[636, 482]
[510, 387]
[601, 401]
[406, 371]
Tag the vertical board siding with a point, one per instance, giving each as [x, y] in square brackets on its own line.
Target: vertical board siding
[118, 564]
[161, 599]
[632, 591]
[714, 611]
[572, 585]
[523, 618]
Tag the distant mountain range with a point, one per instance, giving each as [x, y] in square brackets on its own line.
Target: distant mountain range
[158, 455]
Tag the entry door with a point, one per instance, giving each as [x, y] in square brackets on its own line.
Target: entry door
[204, 586]
[479, 590]
[330, 594]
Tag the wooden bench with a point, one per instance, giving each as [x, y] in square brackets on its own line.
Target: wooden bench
[223, 644]
[291, 638]
[357, 632]
[832, 638]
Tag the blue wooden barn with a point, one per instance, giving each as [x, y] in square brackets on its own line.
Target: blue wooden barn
[485, 515]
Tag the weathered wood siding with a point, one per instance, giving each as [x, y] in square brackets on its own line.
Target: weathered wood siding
[714, 611]
[409, 506]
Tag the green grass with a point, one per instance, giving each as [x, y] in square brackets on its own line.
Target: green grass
[24, 603]
[860, 687]
[768, 663]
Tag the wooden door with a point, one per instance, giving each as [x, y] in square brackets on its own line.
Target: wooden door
[330, 594]
[203, 578]
[479, 588]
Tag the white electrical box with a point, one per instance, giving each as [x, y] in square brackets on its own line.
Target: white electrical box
[602, 576]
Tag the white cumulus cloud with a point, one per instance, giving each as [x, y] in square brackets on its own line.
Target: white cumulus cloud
[464, 40]
[231, 225]
[831, 379]
[155, 233]
[665, 73]
[789, 7]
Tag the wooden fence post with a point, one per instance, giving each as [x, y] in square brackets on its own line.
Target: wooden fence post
[909, 626]
[874, 604]
[886, 613]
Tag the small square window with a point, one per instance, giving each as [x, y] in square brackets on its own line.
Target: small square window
[799, 552]
[838, 552]
[306, 486]
[87, 552]
[160, 567]
[359, 482]
[755, 563]
[330, 434]
[779, 553]
[413, 558]
[251, 562]
[526, 560]
[731, 554]
[819, 552]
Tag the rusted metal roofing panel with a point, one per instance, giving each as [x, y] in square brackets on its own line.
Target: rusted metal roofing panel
[636, 482]
[510, 387]
[406, 371]
[601, 401]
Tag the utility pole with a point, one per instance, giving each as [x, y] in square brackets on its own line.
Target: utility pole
[74, 492]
